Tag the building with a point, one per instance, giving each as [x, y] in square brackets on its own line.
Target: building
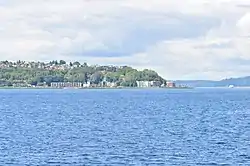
[111, 84]
[170, 85]
[147, 84]
[86, 85]
[66, 84]
[143, 84]
[155, 83]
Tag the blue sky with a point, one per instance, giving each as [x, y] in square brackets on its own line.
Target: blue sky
[192, 39]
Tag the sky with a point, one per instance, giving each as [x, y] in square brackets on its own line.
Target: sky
[191, 39]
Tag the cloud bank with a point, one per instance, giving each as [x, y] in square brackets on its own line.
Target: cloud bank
[193, 39]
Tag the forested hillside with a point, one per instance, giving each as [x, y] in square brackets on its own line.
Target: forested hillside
[38, 73]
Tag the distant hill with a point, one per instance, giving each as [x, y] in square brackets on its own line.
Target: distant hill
[242, 81]
[196, 83]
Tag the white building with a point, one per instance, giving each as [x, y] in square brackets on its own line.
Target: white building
[143, 84]
[155, 83]
[146, 84]
[66, 84]
[111, 84]
[86, 85]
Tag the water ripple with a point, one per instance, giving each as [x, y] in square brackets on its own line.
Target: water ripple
[124, 127]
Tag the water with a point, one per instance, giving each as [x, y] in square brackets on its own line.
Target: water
[125, 127]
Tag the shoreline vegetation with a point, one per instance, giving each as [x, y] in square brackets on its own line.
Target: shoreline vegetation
[63, 75]
[7, 87]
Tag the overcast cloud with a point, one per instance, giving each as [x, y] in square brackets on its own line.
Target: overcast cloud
[191, 39]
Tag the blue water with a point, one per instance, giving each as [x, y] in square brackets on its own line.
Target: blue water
[125, 127]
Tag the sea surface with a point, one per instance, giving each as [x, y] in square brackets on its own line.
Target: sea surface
[125, 127]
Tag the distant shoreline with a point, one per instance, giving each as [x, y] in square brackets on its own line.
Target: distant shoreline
[66, 88]
[96, 88]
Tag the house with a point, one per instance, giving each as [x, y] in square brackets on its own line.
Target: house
[143, 84]
[86, 85]
[155, 83]
[111, 84]
[146, 84]
[66, 84]
[170, 84]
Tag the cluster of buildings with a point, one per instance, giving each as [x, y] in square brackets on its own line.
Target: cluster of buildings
[66, 84]
[140, 84]
[147, 84]
[170, 84]
[39, 65]
[54, 65]
[81, 85]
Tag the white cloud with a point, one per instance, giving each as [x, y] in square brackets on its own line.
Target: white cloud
[179, 39]
[244, 25]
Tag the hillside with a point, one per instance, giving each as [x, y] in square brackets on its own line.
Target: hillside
[41, 73]
[241, 82]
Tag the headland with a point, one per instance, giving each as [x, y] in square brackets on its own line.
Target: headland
[61, 74]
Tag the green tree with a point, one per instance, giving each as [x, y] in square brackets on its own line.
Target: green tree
[77, 64]
[85, 64]
[62, 62]
[96, 78]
